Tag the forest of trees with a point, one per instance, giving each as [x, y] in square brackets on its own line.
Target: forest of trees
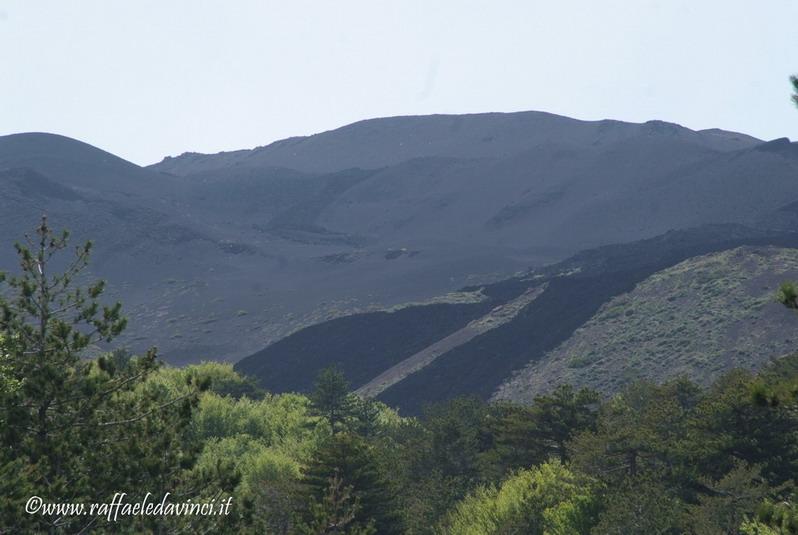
[670, 458]
[653, 459]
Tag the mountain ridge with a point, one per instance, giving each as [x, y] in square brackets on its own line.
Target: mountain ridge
[698, 318]
[435, 127]
[567, 294]
[250, 252]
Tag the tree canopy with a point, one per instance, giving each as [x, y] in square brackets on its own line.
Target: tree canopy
[82, 419]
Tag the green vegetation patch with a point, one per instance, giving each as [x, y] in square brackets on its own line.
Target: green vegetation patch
[698, 318]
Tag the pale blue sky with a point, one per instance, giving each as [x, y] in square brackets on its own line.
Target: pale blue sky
[144, 79]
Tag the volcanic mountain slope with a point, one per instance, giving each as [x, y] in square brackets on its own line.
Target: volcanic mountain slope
[530, 186]
[384, 142]
[216, 256]
[76, 164]
[150, 252]
[564, 297]
[392, 335]
[698, 319]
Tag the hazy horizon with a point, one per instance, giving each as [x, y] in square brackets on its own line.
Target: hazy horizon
[150, 80]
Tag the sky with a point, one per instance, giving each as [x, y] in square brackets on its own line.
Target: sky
[146, 79]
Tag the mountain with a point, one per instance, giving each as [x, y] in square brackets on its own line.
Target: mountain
[504, 344]
[384, 142]
[699, 318]
[144, 244]
[530, 184]
[75, 164]
[219, 256]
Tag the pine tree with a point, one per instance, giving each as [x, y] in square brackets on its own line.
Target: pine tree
[773, 518]
[75, 429]
[730, 423]
[639, 431]
[350, 459]
[525, 436]
[335, 513]
[331, 398]
[641, 505]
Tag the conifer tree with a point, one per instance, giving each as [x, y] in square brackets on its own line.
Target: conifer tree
[331, 398]
[526, 436]
[335, 513]
[75, 429]
[350, 462]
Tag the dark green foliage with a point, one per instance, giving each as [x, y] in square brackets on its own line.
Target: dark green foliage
[691, 460]
[424, 493]
[336, 512]
[364, 417]
[526, 436]
[438, 459]
[774, 518]
[671, 458]
[668, 458]
[732, 424]
[331, 398]
[794, 82]
[561, 415]
[456, 437]
[344, 478]
[75, 430]
[641, 505]
[639, 431]
[728, 501]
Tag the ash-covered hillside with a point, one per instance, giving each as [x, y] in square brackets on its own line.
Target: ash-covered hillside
[217, 256]
[696, 302]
